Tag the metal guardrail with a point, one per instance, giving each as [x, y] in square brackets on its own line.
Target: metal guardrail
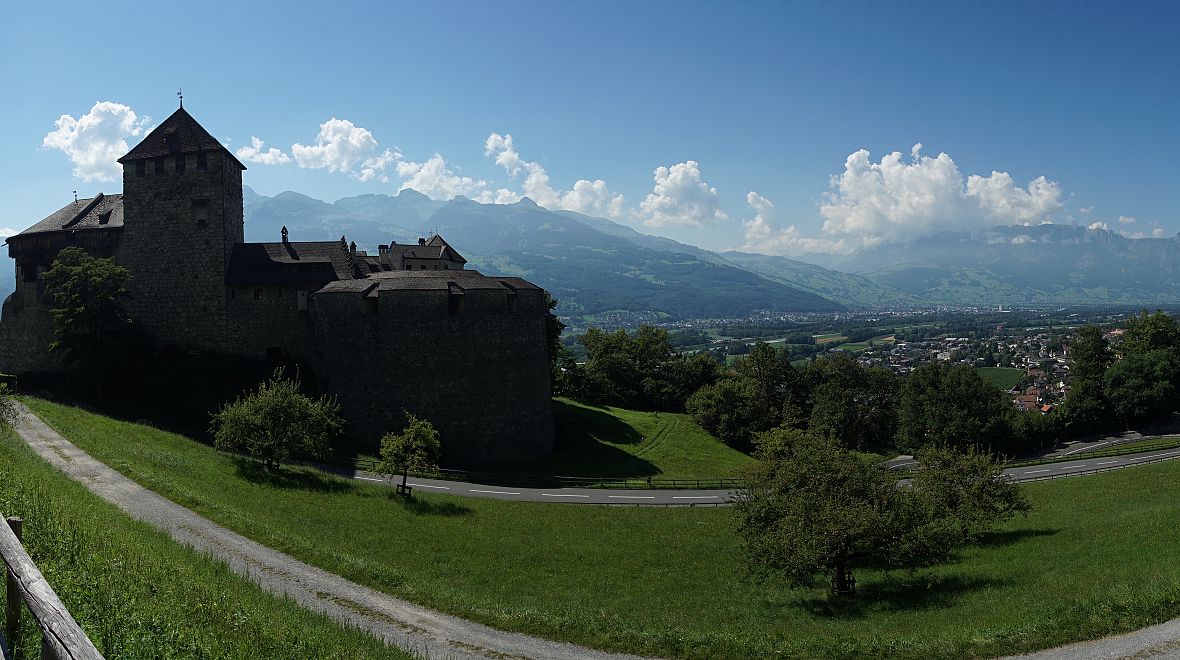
[1108, 468]
[537, 481]
[1170, 442]
[61, 636]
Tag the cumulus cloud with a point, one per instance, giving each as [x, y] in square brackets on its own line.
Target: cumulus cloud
[890, 200]
[680, 197]
[255, 153]
[97, 139]
[1098, 226]
[588, 197]
[1124, 220]
[5, 232]
[435, 179]
[762, 236]
[341, 146]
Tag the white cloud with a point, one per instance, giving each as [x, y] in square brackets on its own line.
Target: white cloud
[762, 237]
[341, 146]
[1124, 220]
[680, 197]
[587, 197]
[894, 200]
[1096, 226]
[5, 232]
[255, 154]
[1158, 232]
[97, 139]
[435, 180]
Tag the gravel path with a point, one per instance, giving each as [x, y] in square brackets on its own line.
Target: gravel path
[1159, 642]
[416, 629]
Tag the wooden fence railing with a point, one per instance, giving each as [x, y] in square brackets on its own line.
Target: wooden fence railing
[61, 637]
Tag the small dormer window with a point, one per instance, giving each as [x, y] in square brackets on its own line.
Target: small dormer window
[180, 164]
[104, 218]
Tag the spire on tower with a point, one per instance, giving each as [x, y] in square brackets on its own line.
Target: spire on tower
[180, 93]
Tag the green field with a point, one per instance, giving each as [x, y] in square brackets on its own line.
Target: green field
[594, 441]
[1097, 556]
[1002, 377]
[138, 594]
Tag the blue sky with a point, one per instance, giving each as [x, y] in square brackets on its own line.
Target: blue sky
[749, 108]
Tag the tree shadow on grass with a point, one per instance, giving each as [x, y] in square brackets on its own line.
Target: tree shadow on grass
[1010, 536]
[428, 507]
[898, 594]
[287, 479]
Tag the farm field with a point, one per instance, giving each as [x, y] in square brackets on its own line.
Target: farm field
[1002, 377]
[638, 579]
[139, 594]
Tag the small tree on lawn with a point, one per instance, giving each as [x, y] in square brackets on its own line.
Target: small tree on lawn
[277, 420]
[417, 447]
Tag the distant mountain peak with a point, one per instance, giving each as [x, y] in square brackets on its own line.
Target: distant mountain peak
[525, 201]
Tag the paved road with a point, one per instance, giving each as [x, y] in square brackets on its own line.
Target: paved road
[424, 632]
[668, 497]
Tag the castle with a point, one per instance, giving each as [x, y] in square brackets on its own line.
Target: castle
[408, 328]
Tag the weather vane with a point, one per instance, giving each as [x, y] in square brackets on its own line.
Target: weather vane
[180, 93]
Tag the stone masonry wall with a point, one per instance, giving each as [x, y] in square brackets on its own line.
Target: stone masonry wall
[481, 375]
[179, 229]
[274, 321]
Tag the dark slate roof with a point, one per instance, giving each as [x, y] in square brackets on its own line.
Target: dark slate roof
[435, 248]
[288, 263]
[99, 212]
[426, 280]
[179, 134]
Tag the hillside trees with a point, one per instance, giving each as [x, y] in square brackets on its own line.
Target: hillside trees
[952, 406]
[277, 421]
[640, 370]
[89, 322]
[812, 506]
[417, 447]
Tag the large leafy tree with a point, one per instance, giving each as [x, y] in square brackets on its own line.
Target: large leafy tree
[88, 316]
[553, 329]
[277, 421]
[417, 447]
[1143, 385]
[812, 507]
[1148, 332]
[952, 406]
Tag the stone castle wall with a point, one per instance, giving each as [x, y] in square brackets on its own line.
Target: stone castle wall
[272, 320]
[179, 229]
[479, 373]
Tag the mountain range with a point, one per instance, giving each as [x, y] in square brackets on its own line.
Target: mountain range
[594, 266]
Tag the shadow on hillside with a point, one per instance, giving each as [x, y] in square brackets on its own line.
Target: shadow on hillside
[427, 507]
[287, 479]
[898, 595]
[1008, 537]
[578, 426]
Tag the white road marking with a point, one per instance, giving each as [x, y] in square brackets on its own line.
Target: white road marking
[429, 486]
[494, 492]
[1171, 453]
[1036, 471]
[562, 495]
[633, 497]
[1089, 447]
[1107, 463]
[694, 497]
[370, 479]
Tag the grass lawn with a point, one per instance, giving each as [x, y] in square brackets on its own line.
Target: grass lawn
[1097, 556]
[138, 594]
[613, 442]
[1002, 377]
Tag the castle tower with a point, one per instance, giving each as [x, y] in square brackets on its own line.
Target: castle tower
[182, 193]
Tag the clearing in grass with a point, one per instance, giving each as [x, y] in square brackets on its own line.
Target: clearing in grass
[1095, 557]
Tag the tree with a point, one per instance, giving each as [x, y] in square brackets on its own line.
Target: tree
[553, 329]
[775, 380]
[729, 410]
[952, 406]
[417, 447]
[1091, 355]
[277, 420]
[88, 314]
[811, 506]
[1143, 385]
[1150, 332]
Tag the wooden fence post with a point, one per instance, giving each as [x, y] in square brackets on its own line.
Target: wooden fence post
[13, 597]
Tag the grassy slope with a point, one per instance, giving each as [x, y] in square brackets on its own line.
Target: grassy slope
[616, 442]
[1002, 377]
[1097, 556]
[138, 594]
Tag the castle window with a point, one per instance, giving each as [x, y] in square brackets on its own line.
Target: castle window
[140, 167]
[180, 164]
[158, 166]
[258, 294]
[200, 211]
[202, 161]
[301, 300]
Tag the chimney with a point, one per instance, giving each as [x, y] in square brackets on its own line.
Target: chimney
[421, 241]
[352, 249]
[284, 232]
